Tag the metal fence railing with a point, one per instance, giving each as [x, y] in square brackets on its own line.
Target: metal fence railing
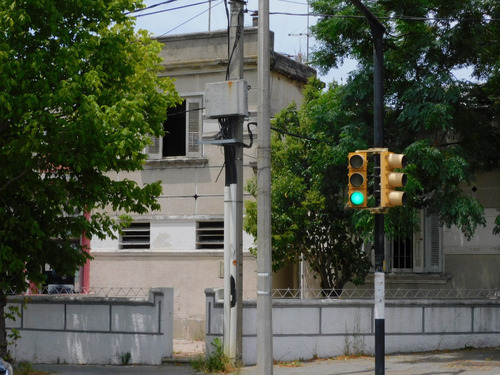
[68, 289]
[389, 294]
[131, 292]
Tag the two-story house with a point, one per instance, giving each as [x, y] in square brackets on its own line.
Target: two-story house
[181, 246]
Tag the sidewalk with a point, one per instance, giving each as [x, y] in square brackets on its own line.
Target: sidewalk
[461, 362]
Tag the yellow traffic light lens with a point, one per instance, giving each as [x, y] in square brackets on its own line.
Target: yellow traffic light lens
[357, 198]
[356, 179]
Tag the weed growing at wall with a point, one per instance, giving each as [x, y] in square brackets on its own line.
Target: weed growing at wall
[25, 368]
[217, 361]
[125, 357]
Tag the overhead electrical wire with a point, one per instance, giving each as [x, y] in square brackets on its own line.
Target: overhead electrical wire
[192, 18]
[169, 9]
[402, 17]
[307, 14]
[153, 6]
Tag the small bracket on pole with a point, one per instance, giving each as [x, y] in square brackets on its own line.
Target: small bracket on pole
[374, 150]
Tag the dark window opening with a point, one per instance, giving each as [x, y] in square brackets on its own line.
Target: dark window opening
[56, 283]
[403, 253]
[174, 141]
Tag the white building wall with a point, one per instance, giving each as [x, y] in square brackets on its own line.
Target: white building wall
[305, 329]
[193, 187]
[85, 329]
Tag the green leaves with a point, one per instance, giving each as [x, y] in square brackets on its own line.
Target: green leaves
[446, 123]
[80, 99]
[309, 178]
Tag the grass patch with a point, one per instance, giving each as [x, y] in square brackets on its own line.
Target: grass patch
[26, 368]
[296, 363]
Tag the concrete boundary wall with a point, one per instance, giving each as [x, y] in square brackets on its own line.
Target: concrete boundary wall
[303, 329]
[84, 329]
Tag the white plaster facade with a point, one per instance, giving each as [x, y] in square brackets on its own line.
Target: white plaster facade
[193, 183]
[193, 186]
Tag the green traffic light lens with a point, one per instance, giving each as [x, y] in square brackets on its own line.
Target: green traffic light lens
[357, 198]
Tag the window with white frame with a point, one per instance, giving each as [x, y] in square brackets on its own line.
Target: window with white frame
[136, 236]
[421, 253]
[182, 131]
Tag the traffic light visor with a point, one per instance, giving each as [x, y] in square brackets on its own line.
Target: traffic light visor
[396, 160]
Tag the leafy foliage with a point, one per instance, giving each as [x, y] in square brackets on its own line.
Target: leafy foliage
[448, 127]
[309, 179]
[80, 98]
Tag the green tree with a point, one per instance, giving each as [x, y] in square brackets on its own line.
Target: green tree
[309, 180]
[447, 126]
[80, 98]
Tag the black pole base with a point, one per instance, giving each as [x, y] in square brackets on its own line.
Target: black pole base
[379, 346]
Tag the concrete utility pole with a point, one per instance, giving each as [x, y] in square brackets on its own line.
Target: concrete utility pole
[209, 15]
[378, 31]
[233, 199]
[264, 258]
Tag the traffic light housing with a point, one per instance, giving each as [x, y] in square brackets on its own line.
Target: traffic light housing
[358, 176]
[390, 180]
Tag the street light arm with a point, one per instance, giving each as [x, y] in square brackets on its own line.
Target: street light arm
[375, 24]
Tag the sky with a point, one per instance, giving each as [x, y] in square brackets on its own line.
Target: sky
[289, 24]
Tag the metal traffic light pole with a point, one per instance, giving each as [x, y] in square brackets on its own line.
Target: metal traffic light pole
[264, 257]
[378, 31]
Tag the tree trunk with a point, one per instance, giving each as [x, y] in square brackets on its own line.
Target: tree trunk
[3, 332]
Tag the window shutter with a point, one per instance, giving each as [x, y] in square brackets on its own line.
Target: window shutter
[154, 150]
[433, 244]
[193, 121]
[418, 245]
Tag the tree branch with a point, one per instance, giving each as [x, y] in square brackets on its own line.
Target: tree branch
[13, 179]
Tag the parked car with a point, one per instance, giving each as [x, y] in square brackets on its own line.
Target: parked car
[5, 368]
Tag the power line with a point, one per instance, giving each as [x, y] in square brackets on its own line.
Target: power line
[402, 17]
[192, 18]
[295, 135]
[153, 6]
[169, 9]
[293, 2]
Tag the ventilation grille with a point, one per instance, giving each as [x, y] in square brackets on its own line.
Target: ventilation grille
[210, 235]
[136, 236]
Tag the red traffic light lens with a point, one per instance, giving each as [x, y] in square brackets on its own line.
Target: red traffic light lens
[356, 161]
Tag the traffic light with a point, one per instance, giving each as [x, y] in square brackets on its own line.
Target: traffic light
[390, 180]
[357, 179]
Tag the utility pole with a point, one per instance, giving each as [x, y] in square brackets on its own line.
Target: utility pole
[233, 199]
[264, 258]
[378, 31]
[209, 15]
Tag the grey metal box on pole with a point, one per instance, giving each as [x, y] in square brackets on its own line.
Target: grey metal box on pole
[226, 99]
